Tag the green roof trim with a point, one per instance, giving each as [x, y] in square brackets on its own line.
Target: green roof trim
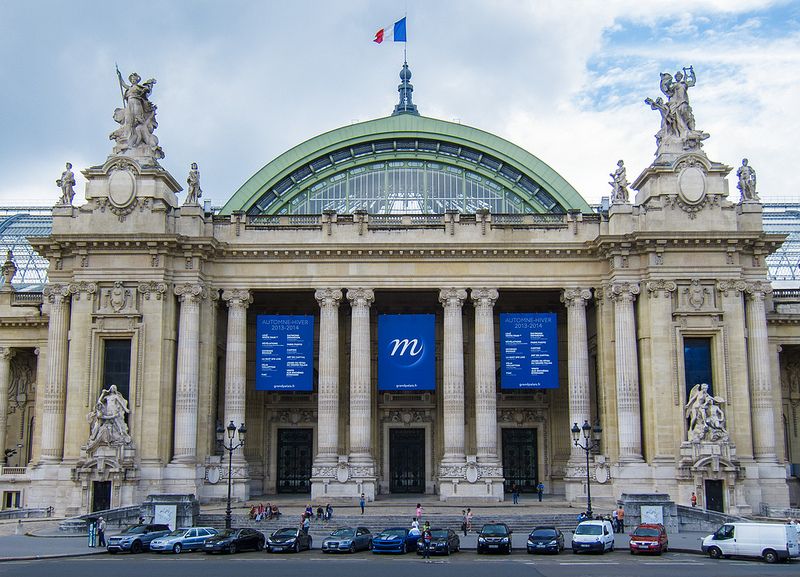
[405, 126]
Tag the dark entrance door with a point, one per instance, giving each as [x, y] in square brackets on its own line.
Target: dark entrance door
[714, 501]
[407, 460]
[294, 460]
[101, 495]
[519, 459]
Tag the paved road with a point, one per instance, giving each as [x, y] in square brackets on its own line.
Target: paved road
[465, 564]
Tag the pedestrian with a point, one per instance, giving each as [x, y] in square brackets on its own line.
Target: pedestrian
[426, 543]
[319, 511]
[694, 499]
[621, 519]
[419, 511]
[101, 532]
[614, 521]
[469, 520]
[464, 521]
[414, 531]
[309, 510]
[305, 523]
[540, 490]
[514, 493]
[328, 512]
[362, 503]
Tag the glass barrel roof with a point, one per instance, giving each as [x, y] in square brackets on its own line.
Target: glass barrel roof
[784, 218]
[16, 224]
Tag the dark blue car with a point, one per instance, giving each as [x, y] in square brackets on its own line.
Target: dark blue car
[394, 540]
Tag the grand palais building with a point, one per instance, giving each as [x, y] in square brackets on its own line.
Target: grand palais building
[403, 305]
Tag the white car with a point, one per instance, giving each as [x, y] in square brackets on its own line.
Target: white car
[183, 539]
[593, 536]
[771, 541]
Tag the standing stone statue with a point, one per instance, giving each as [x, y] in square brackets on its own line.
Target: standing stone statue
[137, 120]
[619, 184]
[706, 418]
[67, 185]
[747, 181]
[678, 132]
[195, 192]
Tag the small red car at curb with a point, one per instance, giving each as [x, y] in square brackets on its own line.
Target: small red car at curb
[649, 538]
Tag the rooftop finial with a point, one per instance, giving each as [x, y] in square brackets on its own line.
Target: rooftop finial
[405, 106]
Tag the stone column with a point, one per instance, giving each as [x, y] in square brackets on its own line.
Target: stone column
[627, 372]
[55, 390]
[236, 358]
[6, 354]
[760, 380]
[187, 371]
[360, 381]
[577, 360]
[452, 300]
[328, 394]
[483, 300]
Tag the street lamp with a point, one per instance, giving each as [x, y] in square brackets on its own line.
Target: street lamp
[230, 447]
[591, 440]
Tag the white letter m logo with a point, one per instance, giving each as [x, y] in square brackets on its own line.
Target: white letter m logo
[413, 346]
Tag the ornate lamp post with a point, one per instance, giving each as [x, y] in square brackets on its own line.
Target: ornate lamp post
[229, 446]
[591, 440]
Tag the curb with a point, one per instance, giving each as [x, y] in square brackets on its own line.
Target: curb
[54, 556]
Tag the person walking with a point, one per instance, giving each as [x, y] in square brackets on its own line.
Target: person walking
[540, 490]
[426, 543]
[614, 521]
[419, 512]
[101, 532]
[362, 503]
[469, 519]
[621, 519]
[693, 499]
[464, 521]
[514, 493]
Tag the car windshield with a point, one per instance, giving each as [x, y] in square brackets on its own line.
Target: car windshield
[177, 533]
[494, 531]
[439, 533]
[343, 533]
[544, 533]
[584, 529]
[227, 533]
[134, 530]
[285, 533]
[392, 534]
[646, 532]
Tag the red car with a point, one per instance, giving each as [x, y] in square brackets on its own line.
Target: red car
[649, 538]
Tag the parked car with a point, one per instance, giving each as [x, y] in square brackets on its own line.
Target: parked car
[545, 540]
[183, 539]
[770, 541]
[443, 542]
[136, 538]
[649, 538]
[288, 539]
[233, 540]
[595, 535]
[348, 539]
[394, 540]
[494, 537]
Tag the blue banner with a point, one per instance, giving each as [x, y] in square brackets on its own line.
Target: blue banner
[529, 351]
[284, 353]
[406, 353]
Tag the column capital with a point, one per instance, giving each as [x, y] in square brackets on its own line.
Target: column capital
[660, 288]
[191, 291]
[482, 297]
[6, 353]
[152, 288]
[237, 297]
[758, 290]
[361, 297]
[624, 291]
[452, 297]
[328, 297]
[55, 293]
[575, 296]
[79, 288]
[728, 286]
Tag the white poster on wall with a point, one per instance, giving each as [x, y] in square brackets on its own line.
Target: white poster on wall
[653, 514]
[166, 514]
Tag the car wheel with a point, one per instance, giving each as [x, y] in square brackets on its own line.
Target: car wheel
[612, 547]
[352, 548]
[633, 552]
[447, 550]
[296, 548]
[259, 546]
[232, 548]
[177, 548]
[715, 553]
[136, 547]
[403, 549]
[770, 556]
[369, 545]
[310, 541]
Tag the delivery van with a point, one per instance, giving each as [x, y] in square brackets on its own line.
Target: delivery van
[596, 535]
[770, 541]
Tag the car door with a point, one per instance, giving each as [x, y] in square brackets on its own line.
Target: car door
[608, 536]
[725, 539]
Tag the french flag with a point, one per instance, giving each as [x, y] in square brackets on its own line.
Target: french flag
[396, 32]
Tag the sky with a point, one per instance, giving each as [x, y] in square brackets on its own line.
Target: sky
[240, 82]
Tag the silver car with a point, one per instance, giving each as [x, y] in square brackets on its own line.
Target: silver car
[183, 539]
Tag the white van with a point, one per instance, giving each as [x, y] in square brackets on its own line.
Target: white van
[593, 536]
[771, 541]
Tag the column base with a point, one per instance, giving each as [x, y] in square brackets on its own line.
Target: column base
[345, 478]
[471, 481]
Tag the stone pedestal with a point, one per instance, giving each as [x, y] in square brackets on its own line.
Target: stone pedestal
[187, 508]
[471, 482]
[345, 479]
[650, 508]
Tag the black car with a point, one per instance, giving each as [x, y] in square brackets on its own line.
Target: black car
[494, 537]
[288, 539]
[545, 540]
[233, 540]
[443, 542]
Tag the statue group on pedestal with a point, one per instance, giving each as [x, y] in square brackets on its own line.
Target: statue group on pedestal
[137, 120]
[108, 426]
[706, 418]
[677, 119]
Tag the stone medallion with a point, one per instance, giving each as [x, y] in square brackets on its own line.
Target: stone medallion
[692, 184]
[121, 188]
